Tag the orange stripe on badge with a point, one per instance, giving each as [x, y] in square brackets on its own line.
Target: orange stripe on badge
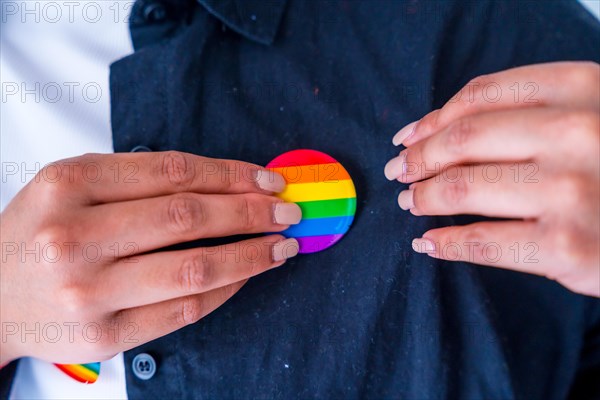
[79, 372]
[329, 172]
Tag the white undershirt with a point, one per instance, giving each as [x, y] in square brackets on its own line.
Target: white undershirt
[47, 46]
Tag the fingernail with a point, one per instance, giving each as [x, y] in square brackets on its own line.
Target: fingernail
[285, 249]
[269, 180]
[422, 245]
[396, 167]
[287, 213]
[406, 199]
[404, 133]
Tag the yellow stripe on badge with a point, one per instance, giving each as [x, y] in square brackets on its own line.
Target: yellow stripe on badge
[297, 192]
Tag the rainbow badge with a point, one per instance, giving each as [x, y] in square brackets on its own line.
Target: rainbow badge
[324, 191]
[84, 373]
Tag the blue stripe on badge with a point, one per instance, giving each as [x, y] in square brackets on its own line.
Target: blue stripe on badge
[320, 226]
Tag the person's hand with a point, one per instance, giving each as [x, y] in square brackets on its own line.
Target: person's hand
[522, 145]
[81, 280]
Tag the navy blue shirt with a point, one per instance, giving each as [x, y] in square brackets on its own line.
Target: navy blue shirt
[369, 317]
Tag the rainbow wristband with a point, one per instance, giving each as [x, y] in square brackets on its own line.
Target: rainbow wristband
[84, 373]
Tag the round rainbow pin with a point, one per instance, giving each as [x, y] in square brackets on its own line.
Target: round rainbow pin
[323, 189]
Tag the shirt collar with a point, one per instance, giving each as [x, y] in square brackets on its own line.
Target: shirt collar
[257, 20]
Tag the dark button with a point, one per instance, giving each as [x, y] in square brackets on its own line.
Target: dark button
[144, 366]
[154, 12]
[140, 148]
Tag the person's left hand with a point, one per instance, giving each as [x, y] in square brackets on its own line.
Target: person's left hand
[522, 145]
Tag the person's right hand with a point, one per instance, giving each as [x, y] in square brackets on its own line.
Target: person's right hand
[80, 278]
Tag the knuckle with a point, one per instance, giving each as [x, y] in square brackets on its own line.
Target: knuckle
[227, 175]
[254, 259]
[574, 189]
[472, 94]
[583, 126]
[56, 181]
[430, 122]
[74, 299]
[473, 236]
[450, 247]
[472, 244]
[458, 135]
[479, 82]
[583, 75]
[185, 214]
[462, 101]
[586, 126]
[55, 235]
[195, 274]
[189, 310]
[566, 243]
[455, 193]
[247, 211]
[177, 168]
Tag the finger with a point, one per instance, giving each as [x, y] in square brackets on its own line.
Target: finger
[162, 221]
[157, 320]
[502, 136]
[559, 84]
[495, 190]
[167, 275]
[103, 178]
[523, 246]
[505, 244]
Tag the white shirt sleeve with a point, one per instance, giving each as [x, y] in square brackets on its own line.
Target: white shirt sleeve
[56, 104]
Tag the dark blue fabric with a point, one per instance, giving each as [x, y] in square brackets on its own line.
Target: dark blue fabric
[368, 318]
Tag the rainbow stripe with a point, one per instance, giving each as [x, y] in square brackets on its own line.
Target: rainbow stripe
[324, 191]
[84, 373]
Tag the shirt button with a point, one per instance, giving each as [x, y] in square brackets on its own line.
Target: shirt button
[140, 148]
[144, 366]
[154, 12]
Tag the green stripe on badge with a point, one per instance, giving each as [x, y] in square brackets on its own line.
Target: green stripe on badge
[328, 208]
